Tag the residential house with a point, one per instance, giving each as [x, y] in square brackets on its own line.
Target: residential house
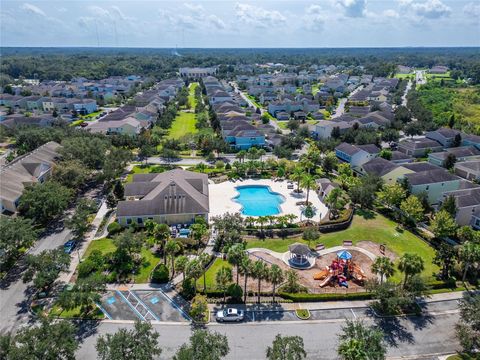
[324, 128]
[400, 158]
[325, 187]
[356, 155]
[85, 106]
[197, 72]
[419, 147]
[434, 183]
[469, 170]
[128, 126]
[462, 153]
[32, 168]
[467, 202]
[444, 136]
[470, 140]
[173, 197]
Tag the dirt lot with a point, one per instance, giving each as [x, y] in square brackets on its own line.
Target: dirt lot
[375, 249]
[306, 276]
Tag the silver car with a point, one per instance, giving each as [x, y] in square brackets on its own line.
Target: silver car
[230, 314]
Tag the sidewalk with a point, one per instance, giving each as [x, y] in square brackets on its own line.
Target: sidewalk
[82, 247]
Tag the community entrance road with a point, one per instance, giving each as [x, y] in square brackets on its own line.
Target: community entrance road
[424, 337]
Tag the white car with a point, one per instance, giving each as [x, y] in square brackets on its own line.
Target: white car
[230, 314]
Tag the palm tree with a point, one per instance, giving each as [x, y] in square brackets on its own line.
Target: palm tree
[261, 153]
[335, 201]
[198, 231]
[275, 276]
[410, 264]
[223, 278]
[297, 175]
[308, 182]
[290, 218]
[469, 253]
[241, 155]
[172, 247]
[259, 272]
[384, 267]
[261, 220]
[250, 220]
[181, 263]
[161, 232]
[235, 255]
[203, 260]
[245, 268]
[194, 270]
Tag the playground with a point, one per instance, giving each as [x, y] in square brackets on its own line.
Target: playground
[331, 270]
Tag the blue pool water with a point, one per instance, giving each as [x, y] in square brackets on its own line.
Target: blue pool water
[258, 200]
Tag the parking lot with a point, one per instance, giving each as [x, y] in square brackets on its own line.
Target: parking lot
[148, 305]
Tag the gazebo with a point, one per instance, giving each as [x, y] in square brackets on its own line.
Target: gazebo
[299, 255]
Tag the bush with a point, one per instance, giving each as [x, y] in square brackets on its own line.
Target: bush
[311, 234]
[303, 297]
[112, 277]
[235, 291]
[114, 228]
[188, 288]
[160, 274]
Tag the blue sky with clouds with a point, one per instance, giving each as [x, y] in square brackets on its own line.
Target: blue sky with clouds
[283, 23]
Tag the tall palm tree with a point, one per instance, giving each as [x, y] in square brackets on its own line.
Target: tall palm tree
[245, 268]
[334, 200]
[410, 264]
[223, 278]
[198, 231]
[308, 182]
[469, 254]
[259, 273]
[297, 175]
[275, 276]
[172, 247]
[194, 270]
[291, 218]
[261, 153]
[241, 155]
[235, 255]
[203, 260]
[384, 267]
[261, 220]
[181, 263]
[161, 232]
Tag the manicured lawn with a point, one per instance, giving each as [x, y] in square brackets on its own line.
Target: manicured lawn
[144, 169]
[191, 95]
[315, 89]
[57, 311]
[282, 124]
[149, 260]
[404, 76]
[211, 273]
[183, 124]
[378, 229]
[254, 101]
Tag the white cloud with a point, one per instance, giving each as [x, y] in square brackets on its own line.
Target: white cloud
[431, 9]
[353, 8]
[99, 11]
[314, 18]
[258, 16]
[217, 22]
[194, 17]
[473, 10]
[390, 13]
[33, 9]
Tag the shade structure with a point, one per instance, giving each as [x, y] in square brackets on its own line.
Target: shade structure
[344, 255]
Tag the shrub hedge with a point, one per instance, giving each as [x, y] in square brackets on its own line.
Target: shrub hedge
[303, 297]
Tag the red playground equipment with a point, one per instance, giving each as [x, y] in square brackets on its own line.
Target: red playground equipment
[340, 271]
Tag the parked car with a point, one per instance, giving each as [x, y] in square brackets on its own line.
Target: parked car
[230, 314]
[69, 246]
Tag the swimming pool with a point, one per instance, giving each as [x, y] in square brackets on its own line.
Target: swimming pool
[258, 200]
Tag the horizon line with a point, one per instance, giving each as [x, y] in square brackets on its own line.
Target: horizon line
[226, 48]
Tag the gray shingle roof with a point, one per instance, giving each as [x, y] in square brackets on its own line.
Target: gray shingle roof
[430, 177]
[378, 166]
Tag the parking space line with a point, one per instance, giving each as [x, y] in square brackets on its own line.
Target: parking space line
[105, 312]
[353, 313]
[185, 315]
[140, 302]
[131, 306]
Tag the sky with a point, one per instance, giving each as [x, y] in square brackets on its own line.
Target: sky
[246, 24]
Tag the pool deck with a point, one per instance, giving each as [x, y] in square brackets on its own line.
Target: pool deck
[221, 198]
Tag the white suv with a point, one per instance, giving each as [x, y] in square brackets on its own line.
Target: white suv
[230, 314]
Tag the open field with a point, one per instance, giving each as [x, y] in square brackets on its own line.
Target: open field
[404, 76]
[191, 95]
[183, 124]
[144, 169]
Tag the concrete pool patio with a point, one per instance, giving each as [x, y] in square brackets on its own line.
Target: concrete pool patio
[222, 198]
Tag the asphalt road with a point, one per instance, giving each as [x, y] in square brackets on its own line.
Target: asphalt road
[419, 336]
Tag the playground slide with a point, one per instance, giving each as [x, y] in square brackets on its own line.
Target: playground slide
[326, 281]
[320, 275]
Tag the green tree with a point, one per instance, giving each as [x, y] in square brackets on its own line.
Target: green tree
[194, 270]
[392, 195]
[386, 154]
[412, 208]
[292, 285]
[383, 267]
[90, 150]
[443, 225]
[410, 264]
[450, 205]
[361, 342]
[286, 348]
[276, 277]
[199, 308]
[44, 202]
[161, 233]
[128, 246]
[329, 162]
[245, 269]
[445, 256]
[468, 328]
[259, 273]
[71, 173]
[181, 263]
[49, 341]
[141, 343]
[335, 201]
[469, 254]
[203, 260]
[223, 278]
[449, 161]
[235, 255]
[45, 267]
[17, 234]
[79, 223]
[172, 247]
[292, 125]
[84, 294]
[204, 345]
[308, 182]
[297, 175]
